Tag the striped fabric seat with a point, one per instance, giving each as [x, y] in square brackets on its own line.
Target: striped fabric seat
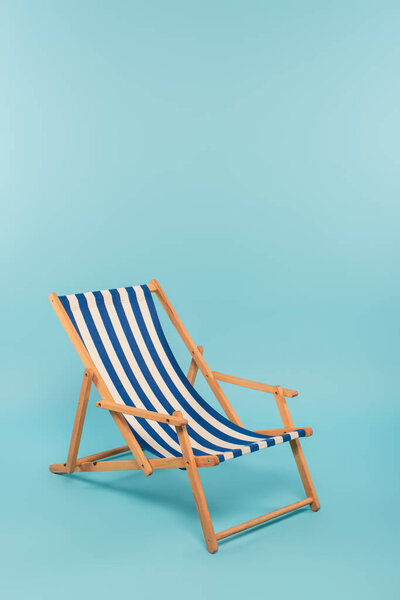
[122, 333]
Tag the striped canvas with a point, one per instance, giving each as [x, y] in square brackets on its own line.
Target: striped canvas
[123, 335]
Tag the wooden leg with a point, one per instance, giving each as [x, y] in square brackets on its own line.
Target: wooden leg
[305, 474]
[297, 450]
[132, 442]
[79, 420]
[197, 489]
[193, 368]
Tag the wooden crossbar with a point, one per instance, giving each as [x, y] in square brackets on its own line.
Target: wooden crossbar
[84, 464]
[267, 517]
[105, 454]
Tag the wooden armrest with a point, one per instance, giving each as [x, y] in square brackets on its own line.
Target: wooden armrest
[281, 431]
[263, 387]
[142, 413]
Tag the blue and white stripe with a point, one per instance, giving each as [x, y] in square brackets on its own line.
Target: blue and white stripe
[122, 333]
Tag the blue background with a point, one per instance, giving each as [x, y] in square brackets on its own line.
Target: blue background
[246, 154]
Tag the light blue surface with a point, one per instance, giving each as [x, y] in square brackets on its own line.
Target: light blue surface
[246, 154]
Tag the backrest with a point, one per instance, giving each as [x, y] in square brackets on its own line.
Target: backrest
[123, 336]
[122, 333]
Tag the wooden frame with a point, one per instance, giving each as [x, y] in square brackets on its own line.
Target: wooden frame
[189, 462]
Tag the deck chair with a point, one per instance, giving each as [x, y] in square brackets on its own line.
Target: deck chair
[119, 338]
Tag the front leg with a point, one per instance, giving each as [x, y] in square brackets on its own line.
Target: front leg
[197, 489]
[297, 449]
